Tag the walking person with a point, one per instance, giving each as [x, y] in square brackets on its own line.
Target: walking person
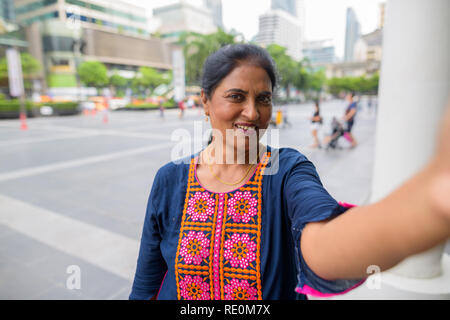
[316, 124]
[267, 228]
[181, 106]
[161, 108]
[349, 119]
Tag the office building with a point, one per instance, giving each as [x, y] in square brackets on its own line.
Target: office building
[279, 27]
[63, 33]
[181, 17]
[216, 9]
[7, 10]
[352, 34]
[115, 16]
[288, 6]
[319, 52]
[369, 46]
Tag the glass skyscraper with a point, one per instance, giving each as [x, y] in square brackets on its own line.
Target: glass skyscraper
[7, 10]
[289, 6]
[352, 34]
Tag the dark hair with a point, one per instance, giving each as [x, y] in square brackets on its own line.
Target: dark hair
[220, 63]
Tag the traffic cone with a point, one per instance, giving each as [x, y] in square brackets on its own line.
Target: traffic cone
[105, 118]
[85, 112]
[23, 121]
[94, 112]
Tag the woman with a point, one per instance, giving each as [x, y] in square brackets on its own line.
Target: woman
[316, 123]
[349, 119]
[267, 229]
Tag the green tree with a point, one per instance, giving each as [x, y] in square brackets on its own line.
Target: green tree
[361, 84]
[118, 83]
[93, 74]
[30, 66]
[150, 78]
[197, 48]
[289, 70]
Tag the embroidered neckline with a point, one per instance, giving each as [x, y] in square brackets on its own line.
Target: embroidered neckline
[252, 176]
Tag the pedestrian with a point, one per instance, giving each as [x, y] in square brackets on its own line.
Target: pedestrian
[316, 124]
[286, 122]
[267, 228]
[349, 119]
[161, 108]
[181, 106]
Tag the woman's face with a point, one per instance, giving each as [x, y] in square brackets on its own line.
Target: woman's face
[241, 104]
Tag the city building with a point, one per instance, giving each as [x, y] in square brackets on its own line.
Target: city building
[116, 16]
[369, 46]
[289, 6]
[279, 27]
[7, 10]
[216, 9]
[181, 17]
[352, 68]
[382, 15]
[63, 33]
[319, 52]
[352, 34]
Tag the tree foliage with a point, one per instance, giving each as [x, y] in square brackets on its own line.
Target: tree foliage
[149, 78]
[93, 74]
[361, 85]
[197, 48]
[30, 66]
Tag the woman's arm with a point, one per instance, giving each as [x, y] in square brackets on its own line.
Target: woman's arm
[412, 219]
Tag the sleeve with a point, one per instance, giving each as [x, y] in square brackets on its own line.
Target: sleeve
[151, 266]
[308, 201]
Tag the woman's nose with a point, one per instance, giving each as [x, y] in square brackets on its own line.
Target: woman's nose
[251, 111]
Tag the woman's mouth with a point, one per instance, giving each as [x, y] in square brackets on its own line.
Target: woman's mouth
[246, 129]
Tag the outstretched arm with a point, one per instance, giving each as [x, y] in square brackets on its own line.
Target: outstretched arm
[412, 219]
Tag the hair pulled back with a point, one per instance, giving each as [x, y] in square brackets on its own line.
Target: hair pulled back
[220, 63]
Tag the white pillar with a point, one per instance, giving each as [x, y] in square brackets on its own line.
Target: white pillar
[414, 88]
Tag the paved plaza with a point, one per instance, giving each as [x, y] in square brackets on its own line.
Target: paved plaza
[73, 192]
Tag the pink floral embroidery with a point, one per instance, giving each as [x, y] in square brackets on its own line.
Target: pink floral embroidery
[193, 288]
[242, 206]
[240, 250]
[200, 206]
[239, 290]
[194, 247]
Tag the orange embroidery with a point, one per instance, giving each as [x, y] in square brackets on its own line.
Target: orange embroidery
[218, 252]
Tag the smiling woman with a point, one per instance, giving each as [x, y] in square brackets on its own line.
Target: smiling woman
[220, 228]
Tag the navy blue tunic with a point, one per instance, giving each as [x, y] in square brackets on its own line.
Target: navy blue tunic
[244, 244]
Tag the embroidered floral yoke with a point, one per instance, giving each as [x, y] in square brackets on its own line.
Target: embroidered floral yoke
[239, 245]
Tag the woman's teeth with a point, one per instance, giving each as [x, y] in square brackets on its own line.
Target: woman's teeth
[246, 129]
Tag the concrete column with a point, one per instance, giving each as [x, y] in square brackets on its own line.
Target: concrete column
[414, 89]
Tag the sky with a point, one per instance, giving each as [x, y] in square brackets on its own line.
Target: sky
[324, 19]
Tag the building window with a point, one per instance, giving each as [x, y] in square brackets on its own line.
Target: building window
[96, 7]
[33, 6]
[41, 17]
[57, 43]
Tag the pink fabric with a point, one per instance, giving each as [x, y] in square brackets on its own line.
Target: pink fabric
[347, 205]
[346, 136]
[313, 292]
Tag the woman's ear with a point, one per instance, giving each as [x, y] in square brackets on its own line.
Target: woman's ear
[204, 100]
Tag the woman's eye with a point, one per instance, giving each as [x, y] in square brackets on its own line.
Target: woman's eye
[236, 97]
[265, 100]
